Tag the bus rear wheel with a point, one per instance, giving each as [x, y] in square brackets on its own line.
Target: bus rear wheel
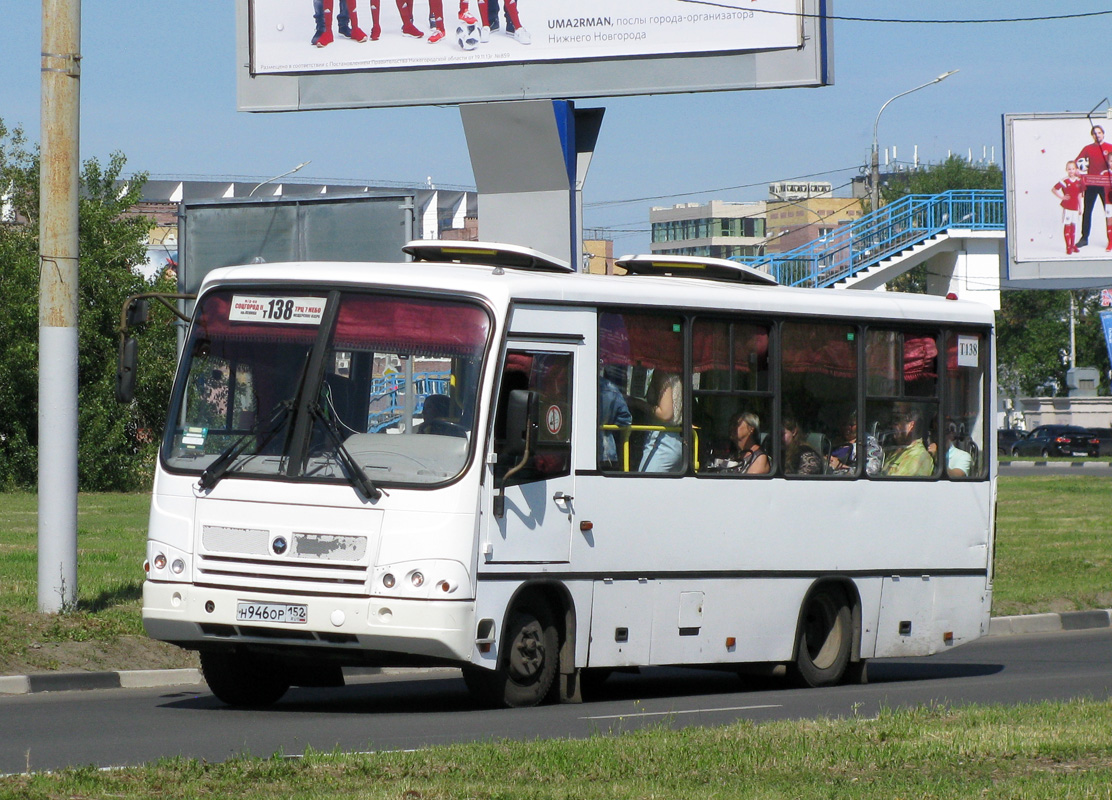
[242, 680]
[527, 662]
[825, 635]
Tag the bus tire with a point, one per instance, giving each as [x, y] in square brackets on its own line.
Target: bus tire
[825, 635]
[527, 663]
[242, 680]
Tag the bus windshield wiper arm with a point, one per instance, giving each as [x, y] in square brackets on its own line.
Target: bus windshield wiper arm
[354, 473]
[227, 458]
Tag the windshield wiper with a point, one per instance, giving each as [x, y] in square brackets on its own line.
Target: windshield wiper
[227, 458]
[352, 471]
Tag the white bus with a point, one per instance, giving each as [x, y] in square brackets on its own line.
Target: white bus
[481, 458]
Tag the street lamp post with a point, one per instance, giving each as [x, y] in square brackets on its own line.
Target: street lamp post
[276, 177]
[874, 177]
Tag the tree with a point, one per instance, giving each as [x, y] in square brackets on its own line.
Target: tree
[953, 173]
[116, 446]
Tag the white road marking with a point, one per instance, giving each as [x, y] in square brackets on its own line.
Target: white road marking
[690, 711]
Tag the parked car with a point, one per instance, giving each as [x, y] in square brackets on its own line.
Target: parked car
[1058, 440]
[1104, 437]
[1005, 438]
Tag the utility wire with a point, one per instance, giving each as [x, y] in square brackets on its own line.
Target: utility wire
[990, 21]
[605, 203]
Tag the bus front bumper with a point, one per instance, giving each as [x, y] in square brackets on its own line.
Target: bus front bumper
[200, 617]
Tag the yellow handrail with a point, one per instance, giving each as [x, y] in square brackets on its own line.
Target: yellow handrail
[626, 430]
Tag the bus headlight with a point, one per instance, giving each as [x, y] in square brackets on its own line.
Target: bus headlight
[165, 563]
[427, 579]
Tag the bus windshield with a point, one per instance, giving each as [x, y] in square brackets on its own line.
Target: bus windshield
[314, 385]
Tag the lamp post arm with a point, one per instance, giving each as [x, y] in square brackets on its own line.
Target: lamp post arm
[276, 177]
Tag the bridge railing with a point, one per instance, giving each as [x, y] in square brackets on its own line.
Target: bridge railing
[849, 249]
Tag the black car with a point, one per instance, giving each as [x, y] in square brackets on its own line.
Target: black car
[1104, 436]
[1058, 440]
[1005, 438]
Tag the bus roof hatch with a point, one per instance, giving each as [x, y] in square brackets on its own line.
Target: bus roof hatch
[491, 254]
[716, 269]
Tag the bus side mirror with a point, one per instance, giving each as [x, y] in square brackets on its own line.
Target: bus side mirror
[521, 423]
[125, 369]
[138, 312]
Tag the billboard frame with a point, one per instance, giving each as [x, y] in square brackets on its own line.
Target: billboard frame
[1027, 266]
[809, 65]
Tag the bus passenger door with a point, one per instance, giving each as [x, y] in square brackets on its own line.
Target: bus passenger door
[539, 505]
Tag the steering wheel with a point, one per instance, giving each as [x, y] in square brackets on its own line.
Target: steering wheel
[442, 427]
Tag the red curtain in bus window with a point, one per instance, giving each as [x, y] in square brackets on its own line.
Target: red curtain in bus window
[711, 350]
[825, 349]
[920, 352]
[409, 325]
[213, 323]
[920, 357]
[644, 340]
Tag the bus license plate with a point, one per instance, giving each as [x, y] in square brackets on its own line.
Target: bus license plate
[290, 613]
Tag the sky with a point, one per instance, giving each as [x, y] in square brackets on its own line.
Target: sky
[158, 85]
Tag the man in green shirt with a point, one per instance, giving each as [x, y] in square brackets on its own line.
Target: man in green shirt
[911, 458]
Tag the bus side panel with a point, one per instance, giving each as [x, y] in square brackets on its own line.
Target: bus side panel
[924, 615]
[713, 621]
[621, 623]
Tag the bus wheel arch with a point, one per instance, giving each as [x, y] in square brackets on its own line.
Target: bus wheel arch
[536, 653]
[828, 635]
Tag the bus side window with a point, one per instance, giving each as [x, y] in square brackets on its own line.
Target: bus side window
[649, 347]
[550, 375]
[818, 400]
[964, 445]
[902, 400]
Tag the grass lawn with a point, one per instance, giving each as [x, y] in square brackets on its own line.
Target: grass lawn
[1053, 544]
[1059, 750]
[111, 536]
[1054, 553]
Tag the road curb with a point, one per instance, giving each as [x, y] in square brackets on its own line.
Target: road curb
[80, 681]
[1050, 623]
[159, 678]
[1070, 464]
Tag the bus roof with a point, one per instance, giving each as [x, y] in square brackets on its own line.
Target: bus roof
[503, 287]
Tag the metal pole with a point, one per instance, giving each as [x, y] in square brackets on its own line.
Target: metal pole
[58, 184]
[874, 173]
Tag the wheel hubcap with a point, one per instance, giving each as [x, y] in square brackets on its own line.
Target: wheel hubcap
[527, 655]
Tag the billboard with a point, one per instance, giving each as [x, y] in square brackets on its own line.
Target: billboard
[1058, 176]
[363, 53]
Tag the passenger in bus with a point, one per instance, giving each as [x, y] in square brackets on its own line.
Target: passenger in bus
[799, 457]
[910, 457]
[843, 459]
[612, 410]
[747, 457]
[959, 461]
[664, 449]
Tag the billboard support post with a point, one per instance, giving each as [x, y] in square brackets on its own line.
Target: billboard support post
[530, 160]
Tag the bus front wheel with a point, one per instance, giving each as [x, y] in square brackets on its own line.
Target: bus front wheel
[825, 635]
[242, 680]
[527, 663]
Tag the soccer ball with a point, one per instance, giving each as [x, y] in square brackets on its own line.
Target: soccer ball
[467, 36]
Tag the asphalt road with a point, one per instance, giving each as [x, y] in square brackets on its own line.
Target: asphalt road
[131, 726]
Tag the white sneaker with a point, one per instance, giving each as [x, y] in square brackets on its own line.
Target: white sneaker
[522, 36]
[484, 33]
